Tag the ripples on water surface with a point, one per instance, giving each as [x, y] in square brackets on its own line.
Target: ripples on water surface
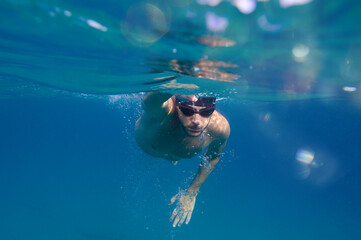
[268, 50]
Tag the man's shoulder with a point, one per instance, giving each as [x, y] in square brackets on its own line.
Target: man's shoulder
[159, 108]
[219, 126]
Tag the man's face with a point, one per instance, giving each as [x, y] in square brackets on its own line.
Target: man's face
[193, 125]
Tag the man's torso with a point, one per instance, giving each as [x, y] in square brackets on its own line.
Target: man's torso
[164, 139]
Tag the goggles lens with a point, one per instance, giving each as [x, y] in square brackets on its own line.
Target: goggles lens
[187, 106]
[189, 111]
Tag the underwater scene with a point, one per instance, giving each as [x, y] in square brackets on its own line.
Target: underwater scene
[180, 119]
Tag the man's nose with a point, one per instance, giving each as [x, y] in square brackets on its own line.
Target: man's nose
[196, 120]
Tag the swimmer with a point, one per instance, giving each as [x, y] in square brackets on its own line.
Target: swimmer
[178, 127]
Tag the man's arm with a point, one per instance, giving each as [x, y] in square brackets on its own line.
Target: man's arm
[209, 161]
[186, 199]
[157, 104]
[221, 132]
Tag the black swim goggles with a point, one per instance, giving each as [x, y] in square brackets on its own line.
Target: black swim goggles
[186, 106]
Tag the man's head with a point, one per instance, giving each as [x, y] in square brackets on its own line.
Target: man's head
[194, 113]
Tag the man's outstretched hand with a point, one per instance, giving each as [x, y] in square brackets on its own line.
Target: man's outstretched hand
[184, 209]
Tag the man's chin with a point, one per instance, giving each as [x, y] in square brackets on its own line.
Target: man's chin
[193, 133]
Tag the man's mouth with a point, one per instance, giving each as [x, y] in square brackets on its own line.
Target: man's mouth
[196, 130]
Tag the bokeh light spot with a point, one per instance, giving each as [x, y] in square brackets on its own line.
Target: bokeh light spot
[349, 89]
[305, 156]
[216, 23]
[96, 25]
[300, 52]
[290, 3]
[265, 25]
[245, 6]
[144, 24]
[67, 13]
[266, 117]
[211, 3]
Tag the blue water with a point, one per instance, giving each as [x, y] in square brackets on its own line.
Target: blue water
[70, 169]
[70, 95]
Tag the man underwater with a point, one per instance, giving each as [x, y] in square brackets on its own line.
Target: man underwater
[181, 126]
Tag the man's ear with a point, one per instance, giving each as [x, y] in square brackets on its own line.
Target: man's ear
[172, 105]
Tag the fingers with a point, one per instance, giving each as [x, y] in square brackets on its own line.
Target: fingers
[175, 212]
[172, 200]
[183, 212]
[189, 217]
[180, 216]
[181, 221]
[176, 220]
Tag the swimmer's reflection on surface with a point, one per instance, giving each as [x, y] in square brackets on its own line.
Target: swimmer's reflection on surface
[181, 126]
[205, 69]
